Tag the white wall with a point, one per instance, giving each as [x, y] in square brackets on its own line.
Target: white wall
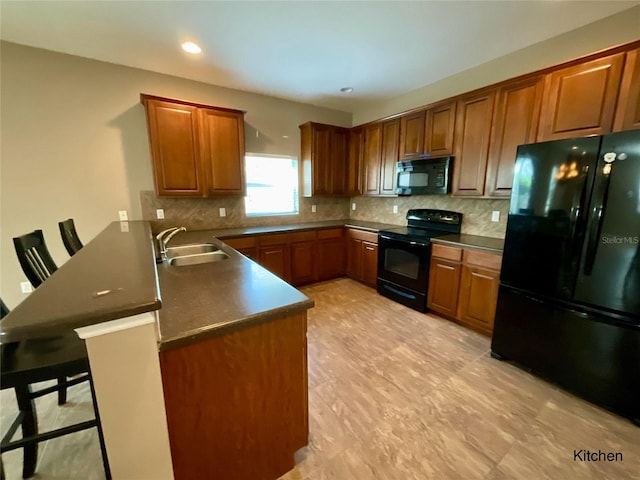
[74, 143]
[621, 28]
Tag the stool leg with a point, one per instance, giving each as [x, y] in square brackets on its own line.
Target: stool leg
[29, 428]
[103, 448]
[62, 391]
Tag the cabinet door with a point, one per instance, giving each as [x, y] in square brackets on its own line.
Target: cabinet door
[515, 123]
[473, 123]
[372, 159]
[444, 282]
[354, 258]
[390, 145]
[478, 297]
[321, 156]
[412, 135]
[355, 169]
[339, 162]
[581, 100]
[173, 138]
[275, 258]
[439, 129]
[628, 110]
[223, 151]
[370, 263]
[303, 262]
[331, 259]
[245, 245]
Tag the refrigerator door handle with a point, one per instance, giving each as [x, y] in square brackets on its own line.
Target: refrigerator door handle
[597, 217]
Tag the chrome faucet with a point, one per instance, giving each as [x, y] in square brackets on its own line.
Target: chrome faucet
[162, 242]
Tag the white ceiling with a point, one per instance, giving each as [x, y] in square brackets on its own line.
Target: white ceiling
[301, 50]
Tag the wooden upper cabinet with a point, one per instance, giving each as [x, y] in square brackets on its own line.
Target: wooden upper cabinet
[412, 135]
[628, 109]
[197, 150]
[175, 151]
[339, 161]
[439, 129]
[355, 167]
[390, 145]
[324, 155]
[223, 151]
[372, 159]
[473, 127]
[581, 100]
[515, 123]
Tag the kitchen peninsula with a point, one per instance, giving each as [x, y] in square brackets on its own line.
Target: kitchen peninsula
[226, 356]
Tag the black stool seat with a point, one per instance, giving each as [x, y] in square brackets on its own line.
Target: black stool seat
[37, 360]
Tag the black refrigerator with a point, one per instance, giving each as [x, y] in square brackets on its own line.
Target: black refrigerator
[569, 298]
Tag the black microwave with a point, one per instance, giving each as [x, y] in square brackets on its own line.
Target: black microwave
[424, 176]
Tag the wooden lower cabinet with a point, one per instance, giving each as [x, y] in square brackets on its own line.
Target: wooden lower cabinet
[248, 246]
[362, 256]
[331, 253]
[299, 258]
[463, 286]
[273, 254]
[303, 250]
[237, 403]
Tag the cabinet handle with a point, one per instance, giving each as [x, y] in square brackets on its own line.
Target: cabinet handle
[369, 248]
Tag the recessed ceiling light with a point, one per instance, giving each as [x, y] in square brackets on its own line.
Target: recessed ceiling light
[346, 89]
[191, 47]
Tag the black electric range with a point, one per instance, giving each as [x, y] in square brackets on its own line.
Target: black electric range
[404, 254]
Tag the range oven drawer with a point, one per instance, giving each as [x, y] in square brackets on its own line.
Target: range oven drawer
[403, 295]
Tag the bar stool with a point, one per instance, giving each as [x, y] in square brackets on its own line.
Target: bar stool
[70, 237]
[37, 265]
[31, 361]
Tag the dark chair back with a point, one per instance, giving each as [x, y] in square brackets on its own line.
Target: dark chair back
[70, 237]
[4, 311]
[34, 257]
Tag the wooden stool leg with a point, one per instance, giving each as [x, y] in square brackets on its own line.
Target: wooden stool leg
[103, 448]
[62, 392]
[29, 428]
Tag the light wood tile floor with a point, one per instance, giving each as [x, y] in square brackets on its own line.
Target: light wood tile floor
[397, 394]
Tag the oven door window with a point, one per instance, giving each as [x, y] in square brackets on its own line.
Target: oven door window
[402, 262]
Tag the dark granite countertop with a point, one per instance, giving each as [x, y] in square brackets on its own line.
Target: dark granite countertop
[359, 224]
[214, 298]
[113, 276]
[494, 245]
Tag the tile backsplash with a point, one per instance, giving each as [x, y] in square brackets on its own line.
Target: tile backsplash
[203, 213]
[476, 218]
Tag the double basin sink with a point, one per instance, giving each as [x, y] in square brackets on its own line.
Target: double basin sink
[194, 254]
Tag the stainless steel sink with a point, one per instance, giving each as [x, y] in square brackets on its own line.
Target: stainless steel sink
[193, 249]
[198, 258]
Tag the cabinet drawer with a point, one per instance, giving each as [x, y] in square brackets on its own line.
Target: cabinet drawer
[482, 259]
[277, 239]
[364, 236]
[448, 253]
[309, 236]
[241, 242]
[330, 233]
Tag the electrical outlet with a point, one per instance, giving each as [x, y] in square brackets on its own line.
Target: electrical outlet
[25, 287]
[223, 212]
[313, 209]
[123, 215]
[159, 213]
[495, 216]
[395, 209]
[353, 206]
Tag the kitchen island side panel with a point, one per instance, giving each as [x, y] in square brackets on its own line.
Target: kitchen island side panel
[237, 403]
